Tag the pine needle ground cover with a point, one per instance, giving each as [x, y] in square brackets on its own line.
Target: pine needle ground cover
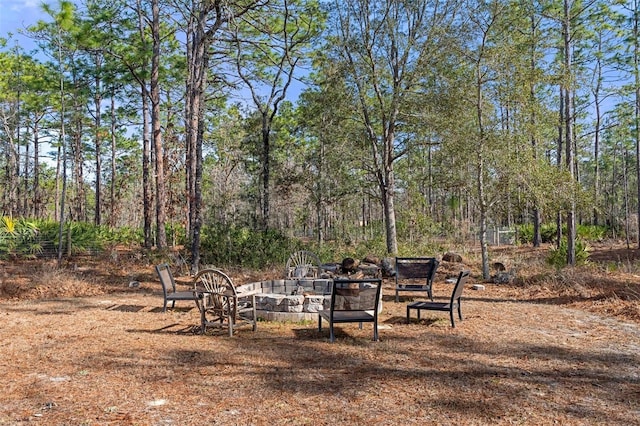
[82, 346]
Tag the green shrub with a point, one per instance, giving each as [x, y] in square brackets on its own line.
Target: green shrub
[558, 256]
[18, 237]
[592, 232]
[127, 236]
[24, 237]
[241, 246]
[547, 233]
[176, 234]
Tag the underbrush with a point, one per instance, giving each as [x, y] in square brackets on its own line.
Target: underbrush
[587, 282]
[609, 284]
[35, 280]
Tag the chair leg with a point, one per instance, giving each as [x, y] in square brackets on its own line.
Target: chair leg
[255, 314]
[319, 323]
[375, 331]
[397, 298]
[332, 336]
[164, 307]
[453, 324]
[408, 319]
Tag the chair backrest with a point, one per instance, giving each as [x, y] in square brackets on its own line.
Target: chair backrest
[416, 267]
[303, 264]
[215, 283]
[166, 278]
[356, 295]
[457, 290]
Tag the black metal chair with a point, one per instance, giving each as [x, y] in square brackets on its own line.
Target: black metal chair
[353, 301]
[453, 304]
[411, 268]
[169, 287]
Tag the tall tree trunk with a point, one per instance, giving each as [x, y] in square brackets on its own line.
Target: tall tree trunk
[56, 214]
[147, 190]
[197, 187]
[625, 179]
[568, 117]
[37, 196]
[147, 181]
[196, 83]
[114, 176]
[596, 136]
[21, 199]
[480, 176]
[266, 170]
[559, 160]
[79, 201]
[537, 233]
[62, 158]
[430, 177]
[161, 197]
[388, 190]
[11, 177]
[25, 183]
[319, 194]
[636, 80]
[206, 19]
[97, 100]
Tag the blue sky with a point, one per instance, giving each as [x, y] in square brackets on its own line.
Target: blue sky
[18, 14]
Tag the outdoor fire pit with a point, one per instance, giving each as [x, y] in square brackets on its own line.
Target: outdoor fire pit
[289, 300]
[292, 300]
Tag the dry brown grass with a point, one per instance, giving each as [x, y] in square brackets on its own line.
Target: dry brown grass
[81, 347]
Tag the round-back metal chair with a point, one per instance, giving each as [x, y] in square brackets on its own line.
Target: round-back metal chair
[303, 264]
[219, 303]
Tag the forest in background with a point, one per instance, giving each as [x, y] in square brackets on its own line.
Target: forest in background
[385, 125]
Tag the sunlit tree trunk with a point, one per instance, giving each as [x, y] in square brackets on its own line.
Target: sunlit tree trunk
[37, 197]
[636, 80]
[112, 187]
[147, 181]
[161, 195]
[568, 130]
[97, 101]
[537, 233]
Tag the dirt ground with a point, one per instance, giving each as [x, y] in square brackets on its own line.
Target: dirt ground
[87, 345]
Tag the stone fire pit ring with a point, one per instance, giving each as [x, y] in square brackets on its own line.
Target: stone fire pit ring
[290, 300]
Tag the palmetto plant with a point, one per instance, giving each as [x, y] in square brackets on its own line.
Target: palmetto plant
[77, 237]
[35, 237]
[84, 237]
[18, 237]
[557, 256]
